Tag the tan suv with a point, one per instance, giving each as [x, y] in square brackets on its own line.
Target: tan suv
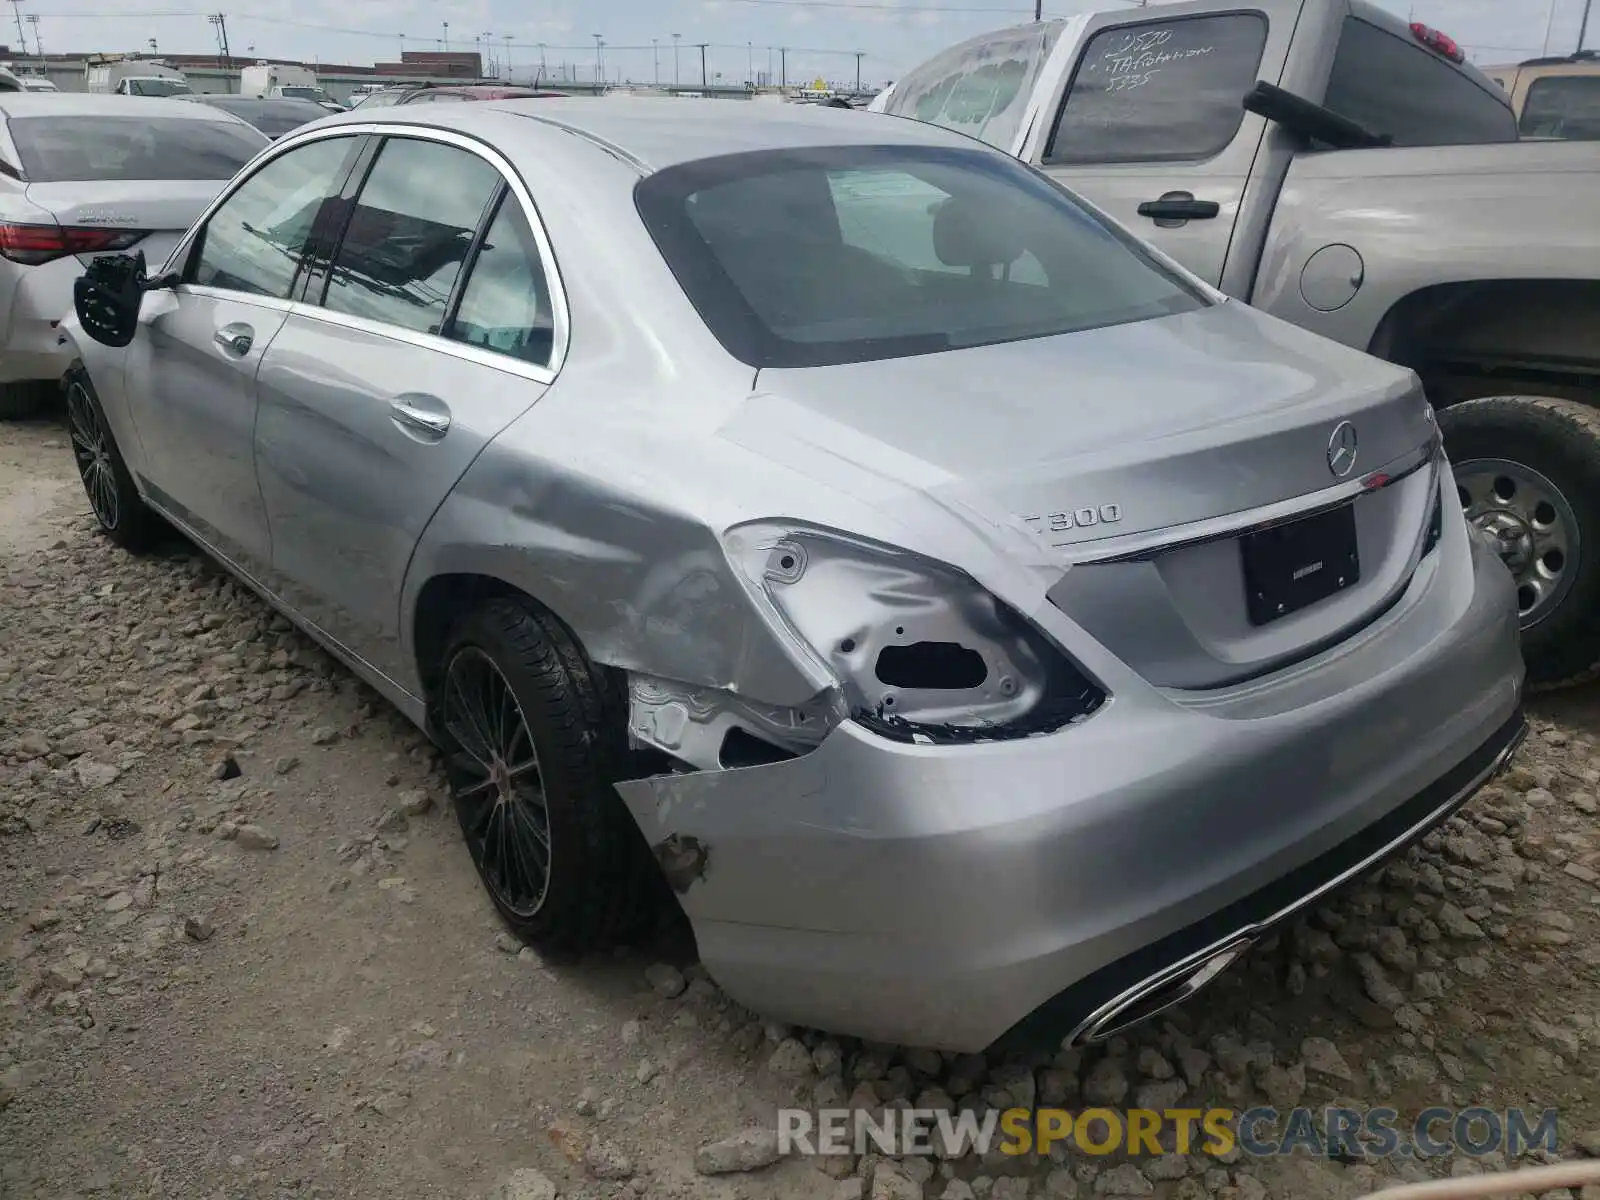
[1554, 97]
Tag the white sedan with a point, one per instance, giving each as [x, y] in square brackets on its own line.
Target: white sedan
[82, 175]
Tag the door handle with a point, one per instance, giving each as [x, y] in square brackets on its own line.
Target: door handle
[1179, 206]
[432, 421]
[235, 339]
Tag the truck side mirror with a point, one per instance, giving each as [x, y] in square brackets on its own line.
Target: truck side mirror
[1310, 121]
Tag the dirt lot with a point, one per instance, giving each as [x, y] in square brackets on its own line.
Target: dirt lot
[243, 953]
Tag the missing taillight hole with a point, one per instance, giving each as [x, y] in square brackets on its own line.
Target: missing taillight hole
[939, 666]
[740, 748]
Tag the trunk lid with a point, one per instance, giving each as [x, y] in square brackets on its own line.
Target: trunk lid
[1156, 444]
[163, 209]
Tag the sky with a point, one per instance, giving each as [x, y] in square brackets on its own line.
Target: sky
[821, 37]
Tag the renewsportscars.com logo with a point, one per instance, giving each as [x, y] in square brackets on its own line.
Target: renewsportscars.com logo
[1344, 1133]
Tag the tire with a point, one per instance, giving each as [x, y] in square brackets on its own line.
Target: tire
[122, 515]
[19, 401]
[1538, 459]
[601, 886]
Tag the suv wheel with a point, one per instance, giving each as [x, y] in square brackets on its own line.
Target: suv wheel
[1527, 471]
[532, 746]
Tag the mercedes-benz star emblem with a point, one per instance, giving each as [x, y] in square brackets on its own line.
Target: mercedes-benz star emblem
[1342, 449]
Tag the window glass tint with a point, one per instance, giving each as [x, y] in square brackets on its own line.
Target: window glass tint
[1392, 85]
[273, 117]
[62, 149]
[409, 233]
[1160, 91]
[157, 87]
[253, 242]
[505, 304]
[843, 254]
[1563, 106]
[980, 87]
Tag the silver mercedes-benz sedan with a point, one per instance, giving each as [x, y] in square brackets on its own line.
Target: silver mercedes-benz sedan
[981, 628]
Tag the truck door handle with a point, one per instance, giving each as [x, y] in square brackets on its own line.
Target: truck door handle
[1179, 206]
[235, 339]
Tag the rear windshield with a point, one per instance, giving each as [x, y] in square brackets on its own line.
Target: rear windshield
[158, 87]
[62, 149]
[276, 117]
[1563, 106]
[844, 254]
[299, 92]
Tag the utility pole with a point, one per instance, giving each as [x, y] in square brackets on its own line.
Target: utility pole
[220, 20]
[38, 46]
[703, 46]
[444, 42]
[655, 55]
[1038, 10]
[858, 72]
[16, 9]
[599, 59]
[508, 57]
[783, 66]
[675, 38]
[1583, 29]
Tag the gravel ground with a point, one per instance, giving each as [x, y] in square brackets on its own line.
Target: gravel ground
[243, 953]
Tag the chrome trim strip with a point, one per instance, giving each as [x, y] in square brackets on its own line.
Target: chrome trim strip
[1096, 1022]
[558, 292]
[1138, 547]
[426, 341]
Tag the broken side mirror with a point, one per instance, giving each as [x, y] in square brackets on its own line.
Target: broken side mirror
[109, 296]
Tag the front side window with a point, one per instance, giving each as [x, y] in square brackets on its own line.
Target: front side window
[851, 253]
[505, 304]
[1393, 86]
[254, 241]
[409, 233]
[1563, 106]
[63, 149]
[1161, 91]
[980, 87]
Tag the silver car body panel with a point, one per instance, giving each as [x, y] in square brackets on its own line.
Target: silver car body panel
[933, 893]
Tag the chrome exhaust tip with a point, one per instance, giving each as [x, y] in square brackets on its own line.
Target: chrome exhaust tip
[1157, 994]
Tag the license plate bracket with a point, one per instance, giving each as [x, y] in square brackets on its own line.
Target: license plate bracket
[1291, 566]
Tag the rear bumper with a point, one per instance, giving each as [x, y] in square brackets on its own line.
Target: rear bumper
[32, 348]
[940, 895]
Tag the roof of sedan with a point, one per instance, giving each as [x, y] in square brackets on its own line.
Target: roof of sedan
[658, 133]
[94, 104]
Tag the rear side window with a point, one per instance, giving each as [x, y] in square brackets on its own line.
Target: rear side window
[980, 87]
[505, 305]
[409, 234]
[1394, 86]
[71, 149]
[1563, 106]
[843, 254]
[1160, 91]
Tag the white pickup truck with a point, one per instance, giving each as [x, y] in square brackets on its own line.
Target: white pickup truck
[1349, 172]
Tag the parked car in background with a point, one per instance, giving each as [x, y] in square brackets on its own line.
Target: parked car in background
[133, 77]
[1373, 189]
[381, 97]
[10, 82]
[449, 93]
[272, 116]
[1554, 97]
[982, 627]
[37, 83]
[81, 175]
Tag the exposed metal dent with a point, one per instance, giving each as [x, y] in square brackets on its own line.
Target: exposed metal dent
[693, 724]
[683, 861]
